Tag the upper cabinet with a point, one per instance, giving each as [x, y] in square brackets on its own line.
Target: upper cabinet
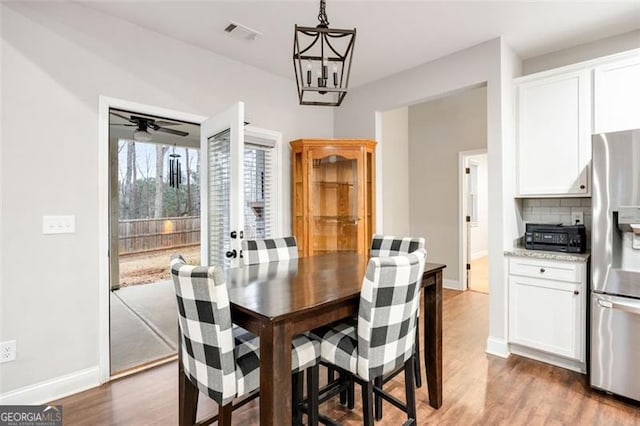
[554, 135]
[617, 96]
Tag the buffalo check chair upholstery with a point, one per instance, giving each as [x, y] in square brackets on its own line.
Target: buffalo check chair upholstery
[218, 358]
[381, 339]
[388, 245]
[269, 250]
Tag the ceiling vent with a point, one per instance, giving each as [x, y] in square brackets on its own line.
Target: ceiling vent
[242, 32]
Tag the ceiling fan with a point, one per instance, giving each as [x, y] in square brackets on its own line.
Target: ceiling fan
[144, 124]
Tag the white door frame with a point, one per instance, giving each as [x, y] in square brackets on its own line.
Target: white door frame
[278, 179]
[104, 104]
[462, 209]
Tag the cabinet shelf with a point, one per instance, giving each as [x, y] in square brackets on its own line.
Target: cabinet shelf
[332, 184]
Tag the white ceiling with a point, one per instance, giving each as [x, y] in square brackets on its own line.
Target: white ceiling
[392, 35]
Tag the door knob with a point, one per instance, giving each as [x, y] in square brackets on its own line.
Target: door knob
[231, 254]
[576, 292]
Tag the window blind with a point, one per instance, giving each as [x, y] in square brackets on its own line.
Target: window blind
[258, 190]
[219, 168]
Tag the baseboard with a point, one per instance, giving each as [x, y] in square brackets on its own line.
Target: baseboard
[479, 254]
[53, 389]
[497, 347]
[569, 364]
[451, 284]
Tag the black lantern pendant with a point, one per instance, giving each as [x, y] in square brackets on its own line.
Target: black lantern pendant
[175, 170]
[322, 62]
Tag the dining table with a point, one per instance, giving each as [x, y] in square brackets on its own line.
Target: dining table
[279, 300]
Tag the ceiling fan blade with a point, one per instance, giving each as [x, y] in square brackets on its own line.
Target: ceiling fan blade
[166, 123]
[171, 131]
[120, 115]
[124, 125]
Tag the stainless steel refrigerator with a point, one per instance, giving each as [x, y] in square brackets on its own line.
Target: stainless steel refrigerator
[615, 264]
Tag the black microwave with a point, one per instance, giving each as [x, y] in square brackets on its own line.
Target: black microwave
[555, 237]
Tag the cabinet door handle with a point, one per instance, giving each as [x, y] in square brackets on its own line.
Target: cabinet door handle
[582, 187]
[576, 292]
[542, 270]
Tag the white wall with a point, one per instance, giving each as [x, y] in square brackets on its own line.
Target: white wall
[480, 231]
[57, 59]
[394, 153]
[495, 64]
[438, 131]
[583, 52]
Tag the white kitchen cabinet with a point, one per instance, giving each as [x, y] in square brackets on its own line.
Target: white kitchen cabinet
[617, 95]
[547, 309]
[554, 135]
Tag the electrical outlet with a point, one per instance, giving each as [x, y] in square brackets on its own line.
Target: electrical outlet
[577, 218]
[8, 351]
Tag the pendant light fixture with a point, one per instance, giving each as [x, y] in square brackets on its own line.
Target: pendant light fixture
[322, 61]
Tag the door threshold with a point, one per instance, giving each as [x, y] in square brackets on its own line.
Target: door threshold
[143, 367]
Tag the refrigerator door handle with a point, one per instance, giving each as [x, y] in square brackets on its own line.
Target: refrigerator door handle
[632, 309]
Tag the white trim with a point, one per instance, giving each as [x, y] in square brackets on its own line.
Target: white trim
[569, 364]
[278, 178]
[591, 63]
[378, 173]
[52, 389]
[104, 104]
[497, 347]
[462, 208]
[452, 284]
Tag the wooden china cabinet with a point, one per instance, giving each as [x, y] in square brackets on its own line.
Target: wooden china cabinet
[333, 195]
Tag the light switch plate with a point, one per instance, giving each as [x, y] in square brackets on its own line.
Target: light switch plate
[58, 224]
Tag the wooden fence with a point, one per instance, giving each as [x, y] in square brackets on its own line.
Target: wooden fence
[142, 235]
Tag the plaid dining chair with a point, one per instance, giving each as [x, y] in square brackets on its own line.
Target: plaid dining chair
[388, 245]
[269, 250]
[218, 358]
[381, 339]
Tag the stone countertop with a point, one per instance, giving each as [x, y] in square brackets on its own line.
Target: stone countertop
[549, 255]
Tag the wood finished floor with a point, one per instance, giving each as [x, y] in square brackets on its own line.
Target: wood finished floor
[479, 275]
[478, 388]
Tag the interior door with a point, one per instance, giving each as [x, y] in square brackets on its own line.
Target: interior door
[222, 197]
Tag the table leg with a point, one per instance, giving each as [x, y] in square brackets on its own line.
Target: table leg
[275, 375]
[433, 340]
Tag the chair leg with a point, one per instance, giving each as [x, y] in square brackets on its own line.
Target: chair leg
[343, 394]
[187, 401]
[297, 386]
[410, 389]
[367, 404]
[224, 414]
[378, 381]
[351, 398]
[313, 388]
[417, 357]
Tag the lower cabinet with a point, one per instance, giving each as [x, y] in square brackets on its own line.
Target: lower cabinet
[547, 301]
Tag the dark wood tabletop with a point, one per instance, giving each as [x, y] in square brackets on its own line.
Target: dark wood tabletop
[281, 299]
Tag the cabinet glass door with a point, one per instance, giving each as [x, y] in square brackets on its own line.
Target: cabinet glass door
[335, 203]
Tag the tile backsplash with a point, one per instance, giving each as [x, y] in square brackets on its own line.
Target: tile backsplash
[557, 210]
